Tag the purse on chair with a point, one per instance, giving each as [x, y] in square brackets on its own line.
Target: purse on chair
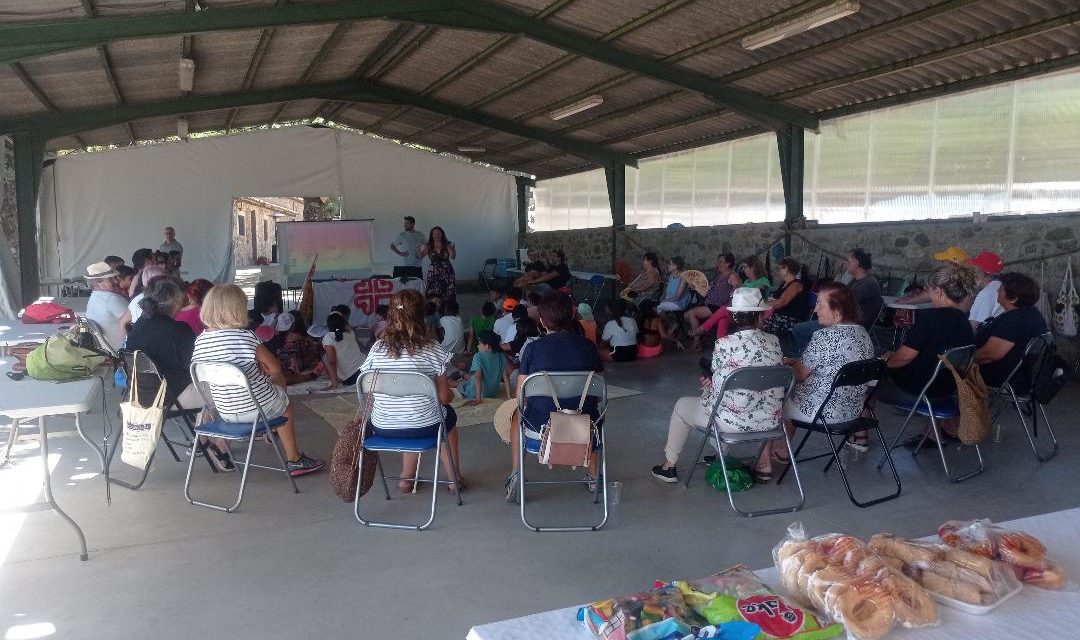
[567, 438]
[345, 459]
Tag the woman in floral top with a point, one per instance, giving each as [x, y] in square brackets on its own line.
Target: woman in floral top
[739, 411]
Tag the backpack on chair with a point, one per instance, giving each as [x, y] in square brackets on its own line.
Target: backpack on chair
[567, 438]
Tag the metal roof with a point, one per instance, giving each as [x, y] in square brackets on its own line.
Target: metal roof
[487, 73]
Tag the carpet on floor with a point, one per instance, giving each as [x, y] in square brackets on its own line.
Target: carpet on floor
[338, 409]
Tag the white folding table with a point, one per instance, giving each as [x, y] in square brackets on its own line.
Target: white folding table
[15, 331]
[892, 301]
[1032, 613]
[28, 399]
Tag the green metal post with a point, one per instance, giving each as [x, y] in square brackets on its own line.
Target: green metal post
[615, 175]
[29, 154]
[790, 142]
[523, 184]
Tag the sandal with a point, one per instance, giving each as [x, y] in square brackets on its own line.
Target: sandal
[776, 458]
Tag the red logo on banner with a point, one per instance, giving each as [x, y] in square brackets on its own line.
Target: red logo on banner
[371, 293]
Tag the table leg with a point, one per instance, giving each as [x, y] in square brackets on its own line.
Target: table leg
[47, 485]
[11, 441]
[97, 450]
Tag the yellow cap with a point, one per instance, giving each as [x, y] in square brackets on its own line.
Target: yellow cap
[952, 254]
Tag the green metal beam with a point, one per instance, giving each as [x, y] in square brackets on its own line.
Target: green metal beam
[29, 153]
[358, 90]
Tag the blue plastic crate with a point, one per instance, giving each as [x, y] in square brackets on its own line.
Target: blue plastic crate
[504, 264]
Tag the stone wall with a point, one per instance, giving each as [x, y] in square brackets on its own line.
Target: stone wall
[260, 226]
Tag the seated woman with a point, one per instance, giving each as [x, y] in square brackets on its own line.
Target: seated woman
[717, 299]
[747, 345]
[561, 349]
[488, 368]
[1001, 341]
[840, 340]
[790, 303]
[343, 354]
[525, 331]
[298, 354]
[647, 286]
[755, 274]
[169, 344]
[189, 314]
[653, 331]
[406, 346]
[935, 331]
[676, 292]
[618, 342]
[227, 339]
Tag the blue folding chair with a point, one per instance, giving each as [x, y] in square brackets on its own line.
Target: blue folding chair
[223, 375]
[938, 409]
[564, 385]
[402, 384]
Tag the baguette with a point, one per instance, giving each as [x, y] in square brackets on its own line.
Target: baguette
[979, 564]
[955, 589]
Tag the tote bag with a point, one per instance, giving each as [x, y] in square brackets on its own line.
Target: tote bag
[1066, 317]
[142, 425]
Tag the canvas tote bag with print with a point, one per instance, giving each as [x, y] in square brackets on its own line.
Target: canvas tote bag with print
[142, 424]
[567, 438]
[1066, 315]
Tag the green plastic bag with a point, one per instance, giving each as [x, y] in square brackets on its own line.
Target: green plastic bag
[738, 475]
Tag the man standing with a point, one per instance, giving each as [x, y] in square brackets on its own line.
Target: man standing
[170, 243]
[986, 305]
[405, 248]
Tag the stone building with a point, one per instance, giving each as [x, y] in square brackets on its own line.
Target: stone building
[255, 225]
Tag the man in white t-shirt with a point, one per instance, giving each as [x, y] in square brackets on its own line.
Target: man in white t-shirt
[171, 244]
[505, 323]
[986, 302]
[408, 241]
[104, 306]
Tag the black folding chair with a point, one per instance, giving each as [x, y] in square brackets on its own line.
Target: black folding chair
[852, 374]
[939, 409]
[488, 276]
[1034, 358]
[756, 380]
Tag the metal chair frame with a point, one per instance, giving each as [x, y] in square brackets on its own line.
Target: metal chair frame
[489, 273]
[402, 384]
[567, 384]
[852, 374]
[1007, 394]
[961, 358]
[228, 374]
[758, 379]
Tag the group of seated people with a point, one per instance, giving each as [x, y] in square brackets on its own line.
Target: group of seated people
[177, 323]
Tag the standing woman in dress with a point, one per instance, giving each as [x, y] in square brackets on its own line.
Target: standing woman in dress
[441, 279]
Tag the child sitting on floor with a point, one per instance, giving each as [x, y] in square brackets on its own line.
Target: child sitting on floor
[487, 370]
[477, 324]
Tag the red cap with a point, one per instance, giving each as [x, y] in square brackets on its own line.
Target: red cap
[565, 290]
[988, 262]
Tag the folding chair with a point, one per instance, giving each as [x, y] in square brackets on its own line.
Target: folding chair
[852, 374]
[568, 386]
[1032, 360]
[208, 375]
[596, 286]
[757, 380]
[488, 275]
[400, 384]
[149, 381]
[938, 409]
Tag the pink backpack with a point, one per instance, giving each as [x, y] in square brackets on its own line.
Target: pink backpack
[566, 440]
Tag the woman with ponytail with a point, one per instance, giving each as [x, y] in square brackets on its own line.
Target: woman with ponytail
[343, 355]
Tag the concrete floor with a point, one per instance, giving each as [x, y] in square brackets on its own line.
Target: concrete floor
[300, 566]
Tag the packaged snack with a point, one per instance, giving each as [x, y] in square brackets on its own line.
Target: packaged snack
[957, 578]
[618, 618]
[1022, 551]
[737, 595]
[839, 575]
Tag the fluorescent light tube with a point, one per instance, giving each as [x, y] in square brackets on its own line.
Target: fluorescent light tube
[577, 107]
[800, 24]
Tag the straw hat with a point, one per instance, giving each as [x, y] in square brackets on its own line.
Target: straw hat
[100, 270]
[697, 280]
[503, 419]
[747, 299]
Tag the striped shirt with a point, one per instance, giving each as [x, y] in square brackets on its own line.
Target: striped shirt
[236, 346]
[406, 412]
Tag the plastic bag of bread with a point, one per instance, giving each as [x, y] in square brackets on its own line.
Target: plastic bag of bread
[1024, 552]
[959, 578]
[737, 595]
[839, 575]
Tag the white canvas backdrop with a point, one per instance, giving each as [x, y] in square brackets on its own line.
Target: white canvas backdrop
[114, 202]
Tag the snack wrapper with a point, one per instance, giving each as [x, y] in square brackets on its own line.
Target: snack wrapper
[737, 595]
[839, 575]
[618, 618]
[959, 578]
[1025, 553]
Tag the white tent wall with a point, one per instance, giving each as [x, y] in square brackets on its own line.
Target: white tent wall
[474, 205]
[114, 202]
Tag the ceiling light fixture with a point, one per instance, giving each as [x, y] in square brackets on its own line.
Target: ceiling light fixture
[800, 24]
[472, 149]
[187, 74]
[577, 107]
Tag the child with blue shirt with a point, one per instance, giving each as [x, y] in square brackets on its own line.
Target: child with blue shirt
[487, 370]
